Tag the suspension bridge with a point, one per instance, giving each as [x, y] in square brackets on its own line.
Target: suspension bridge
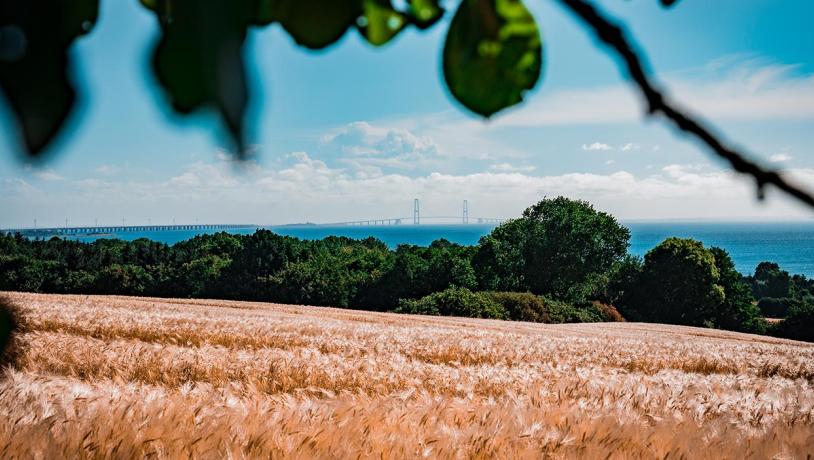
[418, 219]
[415, 219]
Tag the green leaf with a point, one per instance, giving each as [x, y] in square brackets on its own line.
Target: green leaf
[425, 13]
[199, 58]
[34, 63]
[492, 55]
[380, 22]
[314, 24]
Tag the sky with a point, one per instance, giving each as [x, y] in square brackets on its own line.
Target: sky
[356, 132]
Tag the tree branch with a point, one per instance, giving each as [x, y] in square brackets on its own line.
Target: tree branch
[613, 36]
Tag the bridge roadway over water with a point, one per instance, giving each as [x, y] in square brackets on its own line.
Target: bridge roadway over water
[117, 229]
[414, 221]
[110, 229]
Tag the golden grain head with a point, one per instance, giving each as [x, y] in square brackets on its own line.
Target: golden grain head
[117, 377]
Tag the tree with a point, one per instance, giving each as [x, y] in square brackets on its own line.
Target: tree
[619, 280]
[199, 278]
[124, 279]
[498, 261]
[493, 54]
[770, 281]
[736, 312]
[559, 248]
[799, 325]
[415, 272]
[679, 284]
[803, 288]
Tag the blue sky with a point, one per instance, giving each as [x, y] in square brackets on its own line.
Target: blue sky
[357, 132]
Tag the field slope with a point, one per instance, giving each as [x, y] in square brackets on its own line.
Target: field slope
[120, 377]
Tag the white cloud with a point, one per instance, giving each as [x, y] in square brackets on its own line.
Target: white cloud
[48, 175]
[734, 90]
[780, 158]
[374, 145]
[596, 146]
[309, 189]
[630, 146]
[508, 167]
[107, 170]
[610, 162]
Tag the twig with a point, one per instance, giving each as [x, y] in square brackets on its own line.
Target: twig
[614, 37]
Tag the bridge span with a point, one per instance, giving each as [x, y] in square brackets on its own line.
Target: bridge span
[403, 220]
[109, 229]
[417, 218]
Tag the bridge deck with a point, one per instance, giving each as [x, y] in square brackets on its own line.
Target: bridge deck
[95, 230]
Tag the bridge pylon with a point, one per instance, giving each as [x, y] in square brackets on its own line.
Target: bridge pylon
[416, 216]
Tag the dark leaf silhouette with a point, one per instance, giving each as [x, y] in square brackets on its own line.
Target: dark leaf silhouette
[492, 54]
[314, 24]
[199, 59]
[8, 326]
[34, 63]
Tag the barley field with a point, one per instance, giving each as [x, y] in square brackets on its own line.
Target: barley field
[120, 377]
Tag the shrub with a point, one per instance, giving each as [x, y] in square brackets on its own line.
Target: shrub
[563, 312]
[609, 312]
[454, 301]
[522, 306]
[773, 307]
[799, 325]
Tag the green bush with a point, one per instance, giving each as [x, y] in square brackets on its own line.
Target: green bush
[773, 307]
[454, 301]
[522, 306]
[609, 312]
[799, 325]
[563, 312]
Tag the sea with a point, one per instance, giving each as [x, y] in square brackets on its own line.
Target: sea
[790, 244]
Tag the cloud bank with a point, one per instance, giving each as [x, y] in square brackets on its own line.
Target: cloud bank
[308, 188]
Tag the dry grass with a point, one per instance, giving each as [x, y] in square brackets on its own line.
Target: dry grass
[120, 377]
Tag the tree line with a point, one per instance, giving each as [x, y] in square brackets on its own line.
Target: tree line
[561, 261]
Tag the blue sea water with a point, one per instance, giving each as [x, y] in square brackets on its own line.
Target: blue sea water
[789, 244]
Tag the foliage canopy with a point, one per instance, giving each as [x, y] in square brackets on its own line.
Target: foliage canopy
[558, 248]
[682, 282]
